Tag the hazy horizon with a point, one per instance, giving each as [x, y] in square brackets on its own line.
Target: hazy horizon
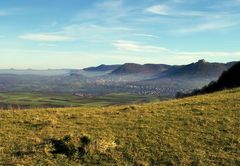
[78, 34]
[105, 64]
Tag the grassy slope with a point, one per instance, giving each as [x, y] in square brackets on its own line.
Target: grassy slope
[202, 130]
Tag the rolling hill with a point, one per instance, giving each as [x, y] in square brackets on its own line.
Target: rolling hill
[149, 79]
[199, 69]
[229, 79]
[201, 130]
[132, 68]
[102, 68]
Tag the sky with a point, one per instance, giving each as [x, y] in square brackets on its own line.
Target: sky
[80, 33]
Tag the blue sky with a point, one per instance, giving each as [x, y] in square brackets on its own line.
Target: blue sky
[78, 33]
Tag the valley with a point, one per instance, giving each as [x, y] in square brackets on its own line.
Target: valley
[49, 88]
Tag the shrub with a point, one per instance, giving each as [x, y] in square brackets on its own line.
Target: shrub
[62, 147]
[66, 147]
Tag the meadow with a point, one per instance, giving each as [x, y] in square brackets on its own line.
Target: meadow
[41, 99]
[200, 130]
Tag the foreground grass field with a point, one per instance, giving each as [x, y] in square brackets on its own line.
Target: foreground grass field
[202, 130]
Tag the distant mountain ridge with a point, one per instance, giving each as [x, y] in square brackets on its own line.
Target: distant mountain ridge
[228, 79]
[148, 79]
[199, 69]
[102, 68]
[133, 68]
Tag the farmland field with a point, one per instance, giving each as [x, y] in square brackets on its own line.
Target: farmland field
[35, 99]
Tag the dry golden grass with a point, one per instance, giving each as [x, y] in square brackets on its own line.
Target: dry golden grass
[202, 130]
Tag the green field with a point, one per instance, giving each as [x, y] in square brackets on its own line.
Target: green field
[202, 130]
[34, 99]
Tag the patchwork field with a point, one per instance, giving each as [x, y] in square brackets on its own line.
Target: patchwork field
[39, 100]
[202, 130]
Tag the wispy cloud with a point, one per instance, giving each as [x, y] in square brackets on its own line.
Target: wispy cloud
[46, 37]
[226, 4]
[10, 11]
[6, 12]
[2, 13]
[84, 32]
[105, 12]
[176, 11]
[146, 35]
[159, 9]
[172, 56]
[47, 45]
[205, 27]
[137, 47]
[184, 17]
[76, 28]
[91, 32]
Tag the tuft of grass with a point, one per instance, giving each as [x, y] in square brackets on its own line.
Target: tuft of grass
[201, 130]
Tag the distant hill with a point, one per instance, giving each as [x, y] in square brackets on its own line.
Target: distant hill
[154, 79]
[102, 68]
[132, 68]
[229, 79]
[199, 69]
